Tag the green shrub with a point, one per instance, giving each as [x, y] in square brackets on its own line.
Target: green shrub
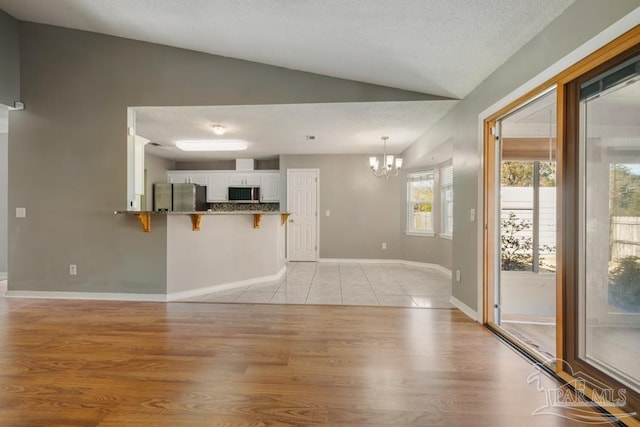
[515, 250]
[624, 284]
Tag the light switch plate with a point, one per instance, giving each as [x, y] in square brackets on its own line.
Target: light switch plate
[472, 215]
[21, 212]
[328, 212]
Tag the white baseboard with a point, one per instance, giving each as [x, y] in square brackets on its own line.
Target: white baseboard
[174, 296]
[442, 270]
[473, 314]
[105, 296]
[112, 296]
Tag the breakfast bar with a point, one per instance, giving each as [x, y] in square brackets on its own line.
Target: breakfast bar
[145, 216]
[230, 249]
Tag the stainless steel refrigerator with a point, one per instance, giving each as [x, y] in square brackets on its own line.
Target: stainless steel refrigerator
[179, 197]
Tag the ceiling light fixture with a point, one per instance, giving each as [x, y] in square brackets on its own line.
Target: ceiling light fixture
[212, 145]
[218, 129]
[387, 168]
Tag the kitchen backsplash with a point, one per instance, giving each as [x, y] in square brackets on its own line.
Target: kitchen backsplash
[231, 207]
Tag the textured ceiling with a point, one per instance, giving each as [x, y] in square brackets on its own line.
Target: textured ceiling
[282, 129]
[441, 47]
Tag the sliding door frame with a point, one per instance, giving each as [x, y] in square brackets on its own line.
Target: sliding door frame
[491, 227]
[567, 205]
[572, 210]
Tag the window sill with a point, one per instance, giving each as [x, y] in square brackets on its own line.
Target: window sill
[446, 236]
[419, 234]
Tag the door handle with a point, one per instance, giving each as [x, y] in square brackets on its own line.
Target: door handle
[291, 220]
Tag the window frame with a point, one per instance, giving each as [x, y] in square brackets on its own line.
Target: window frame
[429, 174]
[444, 232]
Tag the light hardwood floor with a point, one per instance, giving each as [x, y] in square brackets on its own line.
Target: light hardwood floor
[96, 363]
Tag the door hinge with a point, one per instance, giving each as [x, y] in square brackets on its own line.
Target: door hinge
[316, 248]
[316, 178]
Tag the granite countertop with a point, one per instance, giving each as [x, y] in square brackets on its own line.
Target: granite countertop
[203, 212]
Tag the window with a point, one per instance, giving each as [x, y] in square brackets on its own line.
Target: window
[420, 203]
[446, 197]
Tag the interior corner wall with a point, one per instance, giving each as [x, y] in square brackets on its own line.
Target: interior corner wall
[428, 249]
[156, 168]
[364, 209]
[9, 59]
[68, 148]
[4, 163]
[575, 26]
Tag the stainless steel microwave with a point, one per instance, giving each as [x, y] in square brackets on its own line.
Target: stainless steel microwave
[244, 194]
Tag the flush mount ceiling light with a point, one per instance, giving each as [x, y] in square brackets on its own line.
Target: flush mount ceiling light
[387, 168]
[218, 129]
[212, 145]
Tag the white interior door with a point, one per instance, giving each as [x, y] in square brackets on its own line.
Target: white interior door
[302, 202]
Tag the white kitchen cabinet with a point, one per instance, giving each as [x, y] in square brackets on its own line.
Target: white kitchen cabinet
[188, 177]
[217, 189]
[177, 178]
[270, 187]
[218, 182]
[244, 179]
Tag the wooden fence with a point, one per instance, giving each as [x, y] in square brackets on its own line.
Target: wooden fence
[625, 236]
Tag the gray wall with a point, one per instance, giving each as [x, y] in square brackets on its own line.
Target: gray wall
[429, 249]
[68, 148]
[260, 164]
[365, 210]
[4, 163]
[10, 59]
[156, 168]
[580, 22]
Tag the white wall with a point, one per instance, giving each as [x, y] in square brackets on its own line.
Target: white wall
[226, 250]
[4, 165]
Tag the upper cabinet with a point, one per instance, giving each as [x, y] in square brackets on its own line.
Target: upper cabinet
[244, 179]
[218, 182]
[270, 187]
[218, 189]
[188, 177]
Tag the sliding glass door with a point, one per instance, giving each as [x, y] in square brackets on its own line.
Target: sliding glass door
[524, 224]
[562, 225]
[608, 299]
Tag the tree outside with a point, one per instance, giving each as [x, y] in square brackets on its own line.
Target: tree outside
[516, 242]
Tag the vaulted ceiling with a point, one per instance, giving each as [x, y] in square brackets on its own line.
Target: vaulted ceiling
[438, 47]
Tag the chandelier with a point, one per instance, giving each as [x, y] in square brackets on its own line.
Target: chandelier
[387, 169]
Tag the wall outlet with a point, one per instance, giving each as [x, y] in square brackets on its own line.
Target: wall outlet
[73, 270]
[457, 275]
[472, 215]
[384, 246]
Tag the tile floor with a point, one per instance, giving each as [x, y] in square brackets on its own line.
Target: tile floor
[391, 285]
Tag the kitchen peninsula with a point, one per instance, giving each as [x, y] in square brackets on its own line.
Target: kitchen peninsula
[209, 251]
